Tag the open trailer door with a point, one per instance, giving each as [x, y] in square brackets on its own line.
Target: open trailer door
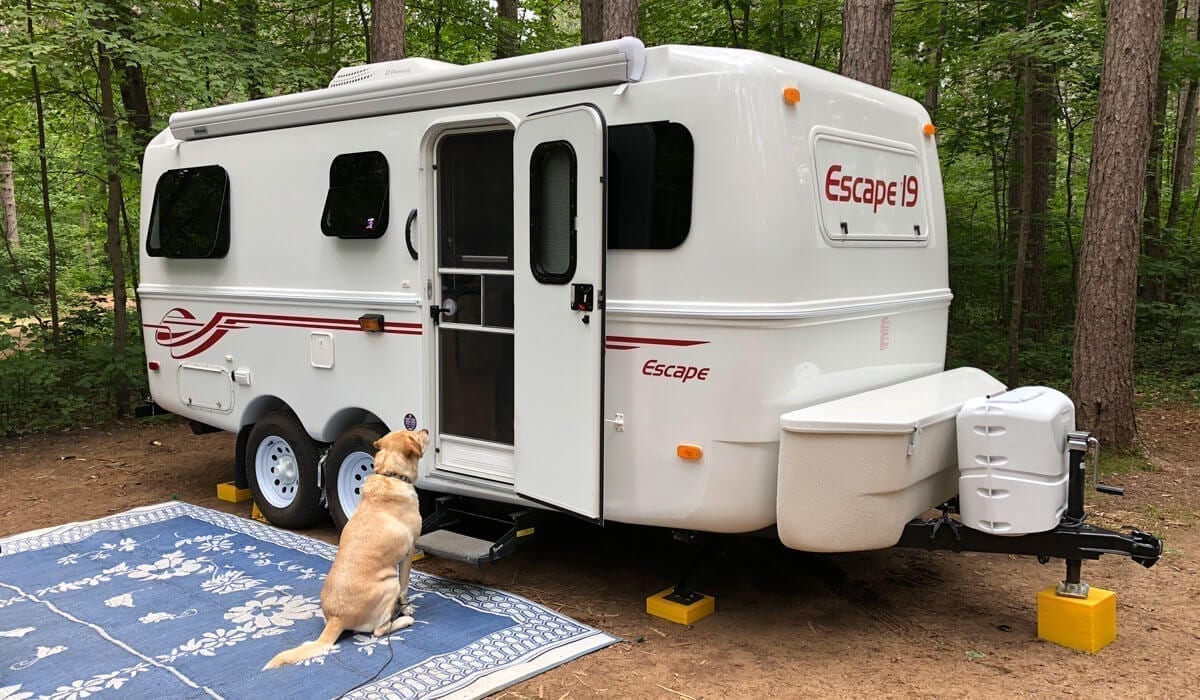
[558, 210]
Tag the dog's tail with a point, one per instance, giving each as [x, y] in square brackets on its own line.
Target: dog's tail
[309, 650]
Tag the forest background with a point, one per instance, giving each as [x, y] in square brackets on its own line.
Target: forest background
[1014, 87]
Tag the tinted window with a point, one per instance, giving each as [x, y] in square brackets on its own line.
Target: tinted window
[475, 208]
[552, 205]
[190, 217]
[356, 205]
[650, 185]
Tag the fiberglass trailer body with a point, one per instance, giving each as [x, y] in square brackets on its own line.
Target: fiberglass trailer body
[600, 276]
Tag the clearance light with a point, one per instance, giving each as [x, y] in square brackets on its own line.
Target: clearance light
[686, 451]
[152, 365]
[791, 95]
[371, 323]
[929, 129]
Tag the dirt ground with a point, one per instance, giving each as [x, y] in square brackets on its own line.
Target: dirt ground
[894, 623]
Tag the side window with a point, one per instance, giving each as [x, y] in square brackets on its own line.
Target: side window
[552, 202]
[650, 185]
[356, 205]
[190, 215]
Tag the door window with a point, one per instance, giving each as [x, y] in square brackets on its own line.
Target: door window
[552, 173]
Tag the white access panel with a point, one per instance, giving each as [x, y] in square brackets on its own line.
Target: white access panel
[559, 349]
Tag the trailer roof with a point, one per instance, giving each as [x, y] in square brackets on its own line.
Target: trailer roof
[429, 86]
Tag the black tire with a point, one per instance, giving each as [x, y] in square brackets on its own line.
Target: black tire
[350, 461]
[283, 478]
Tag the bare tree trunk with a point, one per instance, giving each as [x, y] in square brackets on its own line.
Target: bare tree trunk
[1102, 376]
[8, 198]
[248, 26]
[867, 41]
[51, 247]
[365, 22]
[1024, 207]
[1044, 154]
[1183, 164]
[933, 87]
[591, 21]
[507, 29]
[1152, 233]
[387, 30]
[108, 116]
[816, 54]
[620, 18]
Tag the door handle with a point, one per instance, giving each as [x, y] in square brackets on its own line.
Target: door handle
[412, 216]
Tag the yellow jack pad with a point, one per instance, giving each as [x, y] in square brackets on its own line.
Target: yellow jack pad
[1087, 624]
[228, 491]
[683, 613]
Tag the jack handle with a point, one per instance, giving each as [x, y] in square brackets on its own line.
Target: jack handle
[1101, 488]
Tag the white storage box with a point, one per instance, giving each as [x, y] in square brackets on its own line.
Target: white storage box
[1013, 461]
[853, 471]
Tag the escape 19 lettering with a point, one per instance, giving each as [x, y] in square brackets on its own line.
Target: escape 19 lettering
[866, 190]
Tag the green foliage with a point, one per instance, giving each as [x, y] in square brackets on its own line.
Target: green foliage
[43, 386]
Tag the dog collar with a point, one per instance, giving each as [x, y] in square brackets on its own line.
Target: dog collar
[401, 477]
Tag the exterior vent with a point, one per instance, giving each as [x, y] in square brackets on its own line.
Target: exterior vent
[388, 69]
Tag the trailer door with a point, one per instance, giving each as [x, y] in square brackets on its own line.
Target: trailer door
[558, 251]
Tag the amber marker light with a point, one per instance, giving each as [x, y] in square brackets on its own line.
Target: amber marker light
[929, 129]
[371, 323]
[686, 451]
[791, 95]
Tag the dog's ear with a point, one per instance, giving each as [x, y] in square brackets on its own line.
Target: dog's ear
[414, 446]
[378, 444]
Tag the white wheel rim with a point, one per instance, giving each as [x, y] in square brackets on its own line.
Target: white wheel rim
[352, 474]
[277, 470]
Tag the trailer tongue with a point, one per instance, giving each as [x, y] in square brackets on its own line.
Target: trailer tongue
[1072, 540]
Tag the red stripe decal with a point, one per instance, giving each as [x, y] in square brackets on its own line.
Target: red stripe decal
[655, 341]
[186, 337]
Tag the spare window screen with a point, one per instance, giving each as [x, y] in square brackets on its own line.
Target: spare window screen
[552, 212]
[356, 205]
[190, 215]
[650, 185]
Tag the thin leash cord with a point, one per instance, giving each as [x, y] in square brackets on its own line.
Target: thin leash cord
[373, 678]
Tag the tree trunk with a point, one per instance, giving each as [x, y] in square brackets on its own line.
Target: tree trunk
[1044, 153]
[933, 86]
[8, 198]
[108, 116]
[44, 167]
[387, 30]
[867, 41]
[248, 26]
[1183, 164]
[620, 18]
[591, 21]
[1102, 376]
[1152, 233]
[1024, 207]
[507, 29]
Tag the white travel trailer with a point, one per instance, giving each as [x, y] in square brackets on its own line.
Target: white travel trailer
[618, 281]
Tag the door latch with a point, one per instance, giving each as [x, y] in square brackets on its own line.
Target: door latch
[582, 297]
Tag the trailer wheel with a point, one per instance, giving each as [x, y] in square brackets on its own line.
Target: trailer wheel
[350, 461]
[282, 467]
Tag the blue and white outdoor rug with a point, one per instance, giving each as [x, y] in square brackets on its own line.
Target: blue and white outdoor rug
[179, 601]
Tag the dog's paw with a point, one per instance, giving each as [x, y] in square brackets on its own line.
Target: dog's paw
[407, 610]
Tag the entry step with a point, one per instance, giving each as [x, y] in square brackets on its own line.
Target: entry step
[474, 532]
[456, 546]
